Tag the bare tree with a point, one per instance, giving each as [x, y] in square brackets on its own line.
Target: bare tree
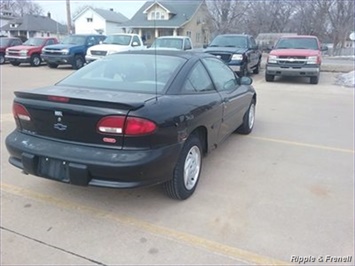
[341, 16]
[269, 16]
[21, 7]
[226, 15]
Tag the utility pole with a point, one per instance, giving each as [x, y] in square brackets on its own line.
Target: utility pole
[69, 18]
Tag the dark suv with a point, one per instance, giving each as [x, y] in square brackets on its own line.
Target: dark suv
[239, 51]
[71, 51]
[6, 42]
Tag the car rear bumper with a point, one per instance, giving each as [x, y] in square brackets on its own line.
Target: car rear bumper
[87, 165]
[306, 70]
[20, 59]
[58, 59]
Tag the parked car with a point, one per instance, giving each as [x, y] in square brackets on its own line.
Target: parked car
[131, 119]
[299, 55]
[113, 44]
[29, 51]
[6, 42]
[71, 51]
[239, 51]
[172, 42]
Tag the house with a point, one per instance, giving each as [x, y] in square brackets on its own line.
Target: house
[177, 18]
[5, 17]
[34, 26]
[101, 21]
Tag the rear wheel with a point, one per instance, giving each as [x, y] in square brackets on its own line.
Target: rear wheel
[314, 80]
[15, 63]
[52, 65]
[35, 60]
[248, 120]
[78, 62]
[269, 77]
[2, 58]
[187, 170]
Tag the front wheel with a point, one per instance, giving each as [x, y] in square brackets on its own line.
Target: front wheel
[78, 62]
[269, 78]
[314, 80]
[35, 60]
[2, 59]
[187, 170]
[248, 120]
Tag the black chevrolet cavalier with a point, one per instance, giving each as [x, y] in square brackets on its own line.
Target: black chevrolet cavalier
[131, 119]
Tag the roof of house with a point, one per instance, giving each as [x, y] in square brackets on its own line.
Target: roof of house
[35, 23]
[107, 14]
[182, 12]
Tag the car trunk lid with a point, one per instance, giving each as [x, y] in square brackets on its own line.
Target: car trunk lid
[73, 114]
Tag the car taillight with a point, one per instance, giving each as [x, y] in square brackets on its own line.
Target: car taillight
[120, 125]
[20, 112]
[139, 126]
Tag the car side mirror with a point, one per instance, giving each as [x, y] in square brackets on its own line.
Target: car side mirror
[205, 46]
[245, 80]
[324, 48]
[100, 42]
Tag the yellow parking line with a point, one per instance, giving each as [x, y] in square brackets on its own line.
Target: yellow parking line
[192, 240]
[302, 144]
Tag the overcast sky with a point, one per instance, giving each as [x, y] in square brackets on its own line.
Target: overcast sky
[57, 8]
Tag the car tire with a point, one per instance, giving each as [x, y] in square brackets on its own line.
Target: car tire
[2, 59]
[269, 78]
[15, 63]
[35, 60]
[52, 65]
[257, 69]
[78, 62]
[314, 80]
[248, 120]
[187, 170]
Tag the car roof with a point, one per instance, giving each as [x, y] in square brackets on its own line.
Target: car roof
[232, 35]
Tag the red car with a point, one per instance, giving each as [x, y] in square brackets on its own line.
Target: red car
[29, 52]
[6, 42]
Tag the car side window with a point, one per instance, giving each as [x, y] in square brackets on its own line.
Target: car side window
[252, 42]
[198, 80]
[136, 39]
[188, 45]
[49, 42]
[223, 77]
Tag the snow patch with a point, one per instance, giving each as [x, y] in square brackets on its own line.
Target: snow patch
[346, 80]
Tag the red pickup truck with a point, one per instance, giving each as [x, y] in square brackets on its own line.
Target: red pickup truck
[29, 51]
[299, 55]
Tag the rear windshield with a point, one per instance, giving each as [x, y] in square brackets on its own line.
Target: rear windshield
[145, 73]
[4, 42]
[297, 43]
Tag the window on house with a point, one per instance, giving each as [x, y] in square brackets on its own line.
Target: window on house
[89, 19]
[198, 37]
[188, 33]
[152, 16]
[162, 16]
[157, 15]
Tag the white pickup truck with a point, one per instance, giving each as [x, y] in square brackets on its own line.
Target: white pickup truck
[115, 43]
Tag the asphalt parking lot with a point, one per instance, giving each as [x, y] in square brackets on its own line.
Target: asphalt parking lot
[284, 194]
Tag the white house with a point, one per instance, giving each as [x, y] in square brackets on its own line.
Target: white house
[5, 17]
[96, 20]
